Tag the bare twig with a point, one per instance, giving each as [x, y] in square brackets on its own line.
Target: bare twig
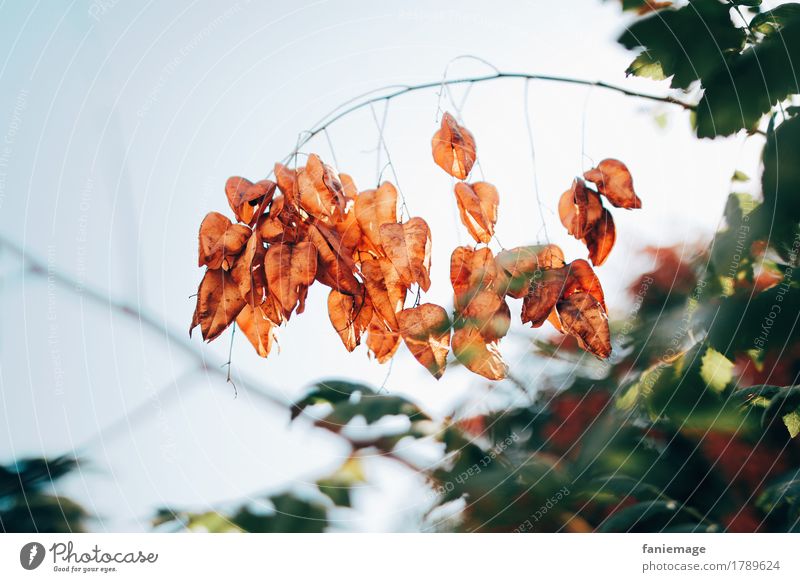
[36, 266]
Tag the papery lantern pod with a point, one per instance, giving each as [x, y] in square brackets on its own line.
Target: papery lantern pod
[486, 311]
[382, 342]
[518, 266]
[408, 246]
[248, 271]
[477, 206]
[584, 318]
[579, 208]
[472, 270]
[257, 328]
[288, 183]
[335, 267]
[453, 148]
[320, 191]
[348, 228]
[282, 224]
[349, 189]
[385, 289]
[374, 208]
[478, 355]
[350, 316]
[601, 238]
[580, 277]
[218, 304]
[244, 196]
[426, 332]
[614, 181]
[220, 241]
[290, 268]
[542, 296]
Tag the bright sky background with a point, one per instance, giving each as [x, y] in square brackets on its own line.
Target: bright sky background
[122, 121]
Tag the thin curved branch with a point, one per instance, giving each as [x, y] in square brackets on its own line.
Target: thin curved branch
[38, 267]
[364, 100]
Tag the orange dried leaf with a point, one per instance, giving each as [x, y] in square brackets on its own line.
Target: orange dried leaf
[477, 205]
[584, 318]
[478, 355]
[486, 311]
[472, 270]
[290, 270]
[381, 341]
[408, 246]
[579, 208]
[601, 238]
[244, 196]
[518, 266]
[321, 193]
[453, 148]
[350, 316]
[542, 296]
[218, 304]
[258, 329]
[614, 181]
[386, 292]
[248, 272]
[374, 208]
[220, 241]
[580, 277]
[335, 267]
[426, 332]
[287, 179]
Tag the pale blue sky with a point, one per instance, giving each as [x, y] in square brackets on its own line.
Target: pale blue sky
[122, 121]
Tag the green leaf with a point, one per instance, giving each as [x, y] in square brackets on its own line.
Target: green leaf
[739, 176]
[784, 404]
[650, 516]
[645, 65]
[737, 95]
[689, 43]
[330, 392]
[773, 20]
[716, 370]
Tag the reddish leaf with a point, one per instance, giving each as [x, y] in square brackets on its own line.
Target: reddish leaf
[542, 296]
[258, 329]
[350, 316]
[321, 193]
[584, 318]
[381, 341]
[244, 196]
[290, 270]
[335, 268]
[477, 205]
[386, 292]
[479, 356]
[601, 238]
[614, 181]
[453, 148]
[218, 304]
[579, 208]
[408, 246]
[219, 241]
[374, 208]
[426, 331]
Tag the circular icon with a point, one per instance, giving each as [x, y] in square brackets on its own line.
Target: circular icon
[31, 555]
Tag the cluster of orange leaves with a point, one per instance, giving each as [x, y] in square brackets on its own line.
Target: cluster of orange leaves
[313, 225]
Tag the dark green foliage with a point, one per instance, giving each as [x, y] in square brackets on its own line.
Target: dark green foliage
[28, 502]
[689, 43]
